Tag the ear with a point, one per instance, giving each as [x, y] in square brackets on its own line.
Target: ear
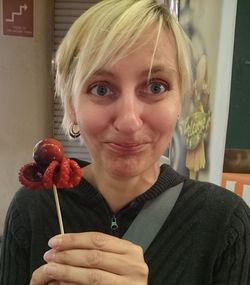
[71, 111]
[179, 112]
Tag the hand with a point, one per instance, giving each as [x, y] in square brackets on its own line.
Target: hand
[94, 258]
[40, 277]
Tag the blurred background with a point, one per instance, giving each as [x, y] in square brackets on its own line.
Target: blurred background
[219, 30]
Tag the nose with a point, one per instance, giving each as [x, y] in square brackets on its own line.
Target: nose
[128, 117]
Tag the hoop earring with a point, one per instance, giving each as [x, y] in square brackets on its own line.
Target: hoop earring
[73, 132]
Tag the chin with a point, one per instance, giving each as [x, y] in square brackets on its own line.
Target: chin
[129, 167]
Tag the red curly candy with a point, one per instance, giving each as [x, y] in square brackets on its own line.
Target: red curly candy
[63, 176]
[49, 174]
[31, 176]
[66, 174]
[50, 167]
[75, 174]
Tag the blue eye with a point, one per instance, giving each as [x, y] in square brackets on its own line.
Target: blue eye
[156, 88]
[100, 90]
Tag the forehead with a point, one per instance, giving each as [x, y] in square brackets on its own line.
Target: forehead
[150, 51]
[165, 40]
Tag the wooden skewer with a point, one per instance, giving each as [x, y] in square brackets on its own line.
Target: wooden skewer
[58, 209]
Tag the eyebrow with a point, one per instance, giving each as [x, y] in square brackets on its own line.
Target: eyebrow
[159, 69]
[154, 70]
[103, 72]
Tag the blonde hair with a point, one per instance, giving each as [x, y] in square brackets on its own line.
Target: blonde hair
[107, 32]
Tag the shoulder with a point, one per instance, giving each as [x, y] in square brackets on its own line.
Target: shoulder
[27, 205]
[19, 218]
[211, 194]
[25, 198]
[217, 211]
[213, 205]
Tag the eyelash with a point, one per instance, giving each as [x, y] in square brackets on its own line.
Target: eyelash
[165, 85]
[99, 84]
[112, 90]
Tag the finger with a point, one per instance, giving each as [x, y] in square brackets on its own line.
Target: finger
[39, 277]
[82, 276]
[92, 240]
[116, 263]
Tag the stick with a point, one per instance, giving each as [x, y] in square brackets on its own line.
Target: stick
[58, 209]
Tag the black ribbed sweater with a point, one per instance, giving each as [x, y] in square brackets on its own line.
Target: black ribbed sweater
[205, 240]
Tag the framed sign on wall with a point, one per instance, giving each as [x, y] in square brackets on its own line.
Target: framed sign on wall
[17, 18]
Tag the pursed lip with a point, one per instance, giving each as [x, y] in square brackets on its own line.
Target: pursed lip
[127, 147]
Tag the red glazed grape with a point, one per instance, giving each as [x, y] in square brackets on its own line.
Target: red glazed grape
[47, 150]
[50, 168]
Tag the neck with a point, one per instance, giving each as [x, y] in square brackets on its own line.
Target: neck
[119, 191]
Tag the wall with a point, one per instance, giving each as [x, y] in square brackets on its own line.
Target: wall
[238, 131]
[221, 90]
[211, 25]
[26, 98]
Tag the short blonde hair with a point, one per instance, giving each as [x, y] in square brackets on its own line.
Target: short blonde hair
[105, 33]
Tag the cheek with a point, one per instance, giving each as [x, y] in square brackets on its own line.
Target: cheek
[164, 120]
[91, 121]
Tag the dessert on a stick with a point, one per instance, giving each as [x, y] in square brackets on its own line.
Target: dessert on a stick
[50, 169]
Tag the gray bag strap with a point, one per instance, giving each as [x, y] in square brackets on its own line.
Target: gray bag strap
[151, 218]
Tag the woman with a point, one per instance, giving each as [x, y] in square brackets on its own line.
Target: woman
[123, 72]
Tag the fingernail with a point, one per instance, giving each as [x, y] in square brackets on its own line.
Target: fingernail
[50, 269]
[49, 255]
[55, 242]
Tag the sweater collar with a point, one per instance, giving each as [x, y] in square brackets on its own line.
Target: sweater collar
[168, 178]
